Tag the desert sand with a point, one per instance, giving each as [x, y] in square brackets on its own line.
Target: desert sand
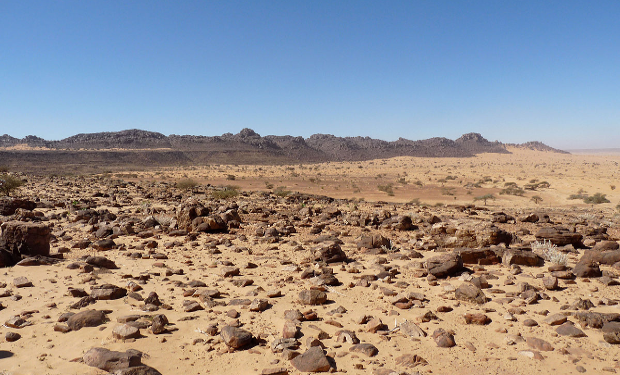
[384, 291]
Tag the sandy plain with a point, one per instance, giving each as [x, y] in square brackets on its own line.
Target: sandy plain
[421, 188]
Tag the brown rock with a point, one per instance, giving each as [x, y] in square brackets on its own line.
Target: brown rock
[470, 293]
[568, 329]
[236, 338]
[108, 360]
[313, 360]
[443, 339]
[125, 331]
[444, 265]
[88, 318]
[312, 297]
[368, 349]
[539, 344]
[478, 319]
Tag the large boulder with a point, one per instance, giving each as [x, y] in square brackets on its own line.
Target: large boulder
[560, 236]
[329, 253]
[23, 238]
[603, 257]
[8, 206]
[478, 256]
[188, 211]
[522, 258]
[373, 242]
[109, 360]
[444, 265]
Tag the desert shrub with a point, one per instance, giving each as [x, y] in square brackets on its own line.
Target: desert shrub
[550, 252]
[281, 191]
[187, 184]
[229, 191]
[597, 198]
[402, 181]
[231, 177]
[389, 189]
[536, 199]
[5, 169]
[581, 194]
[268, 185]
[512, 190]
[419, 183]
[9, 184]
[612, 187]
[447, 191]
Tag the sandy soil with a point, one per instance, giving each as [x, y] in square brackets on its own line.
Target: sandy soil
[432, 184]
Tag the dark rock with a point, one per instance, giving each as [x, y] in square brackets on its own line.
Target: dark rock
[568, 329]
[470, 293]
[368, 349]
[103, 245]
[478, 319]
[373, 242]
[329, 253]
[88, 318]
[312, 297]
[108, 360]
[107, 292]
[236, 338]
[12, 336]
[101, 262]
[443, 339]
[586, 268]
[313, 360]
[521, 258]
[23, 238]
[478, 256]
[560, 236]
[444, 265]
[8, 206]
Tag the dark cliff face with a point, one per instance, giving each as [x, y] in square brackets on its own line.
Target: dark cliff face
[249, 147]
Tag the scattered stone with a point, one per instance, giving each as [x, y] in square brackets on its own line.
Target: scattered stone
[313, 360]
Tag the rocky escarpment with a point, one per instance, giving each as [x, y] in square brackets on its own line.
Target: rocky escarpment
[247, 147]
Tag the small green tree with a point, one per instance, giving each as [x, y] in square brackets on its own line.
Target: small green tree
[9, 183]
[537, 199]
[484, 198]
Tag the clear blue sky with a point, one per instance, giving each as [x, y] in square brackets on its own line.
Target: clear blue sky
[513, 71]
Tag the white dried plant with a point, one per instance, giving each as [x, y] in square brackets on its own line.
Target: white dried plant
[550, 252]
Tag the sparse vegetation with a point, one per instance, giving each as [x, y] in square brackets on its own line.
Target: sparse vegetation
[229, 191]
[9, 183]
[485, 198]
[187, 184]
[231, 177]
[550, 252]
[281, 191]
[536, 199]
[388, 189]
[597, 198]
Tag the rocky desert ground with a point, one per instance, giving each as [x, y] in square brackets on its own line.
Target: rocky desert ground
[387, 266]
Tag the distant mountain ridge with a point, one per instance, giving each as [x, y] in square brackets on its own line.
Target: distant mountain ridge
[247, 147]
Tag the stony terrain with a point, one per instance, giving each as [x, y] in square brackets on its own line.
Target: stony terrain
[105, 275]
[131, 149]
